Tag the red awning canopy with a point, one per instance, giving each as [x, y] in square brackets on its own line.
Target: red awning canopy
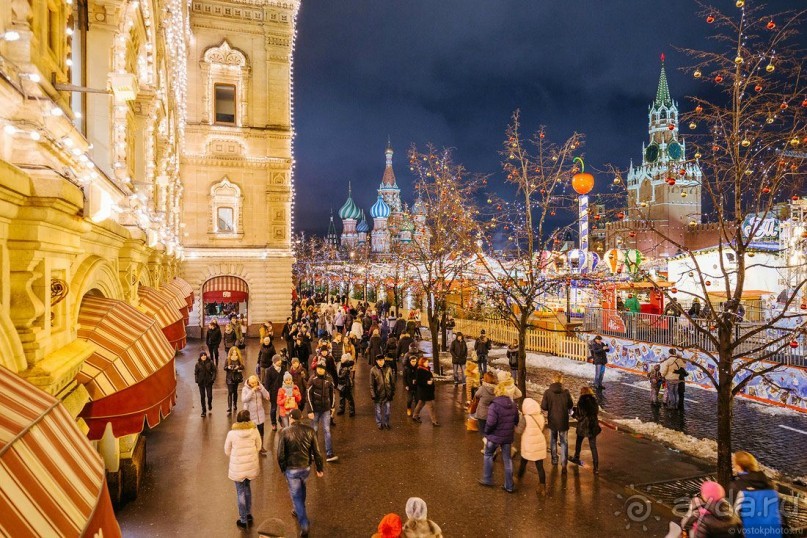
[52, 481]
[228, 289]
[162, 305]
[179, 300]
[186, 290]
[130, 377]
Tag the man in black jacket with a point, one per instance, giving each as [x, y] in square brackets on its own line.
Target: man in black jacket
[272, 381]
[213, 340]
[382, 390]
[265, 354]
[557, 402]
[600, 359]
[321, 401]
[482, 348]
[296, 449]
[204, 373]
[459, 356]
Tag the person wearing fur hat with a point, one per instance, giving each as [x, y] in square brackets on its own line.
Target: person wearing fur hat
[252, 396]
[288, 398]
[509, 385]
[711, 515]
[499, 432]
[242, 445]
[344, 384]
[418, 524]
[482, 349]
[410, 383]
[533, 442]
[300, 377]
[472, 381]
[382, 390]
[389, 527]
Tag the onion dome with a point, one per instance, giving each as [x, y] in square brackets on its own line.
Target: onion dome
[349, 210]
[362, 226]
[380, 209]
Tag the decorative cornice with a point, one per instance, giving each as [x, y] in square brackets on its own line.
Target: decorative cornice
[258, 162]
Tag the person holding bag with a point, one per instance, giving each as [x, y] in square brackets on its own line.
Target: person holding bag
[288, 398]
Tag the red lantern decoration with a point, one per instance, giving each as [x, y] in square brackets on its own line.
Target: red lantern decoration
[542, 135]
[632, 234]
[582, 182]
[698, 109]
[670, 181]
[783, 106]
[719, 79]
[708, 282]
[794, 344]
[597, 217]
[682, 172]
[710, 19]
[671, 126]
[804, 103]
[758, 88]
[620, 215]
[794, 198]
[673, 290]
[771, 25]
[766, 190]
[715, 148]
[552, 213]
[804, 306]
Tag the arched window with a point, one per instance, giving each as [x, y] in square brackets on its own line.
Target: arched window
[225, 210]
[225, 73]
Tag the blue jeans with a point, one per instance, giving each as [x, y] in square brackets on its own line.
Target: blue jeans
[244, 493]
[382, 410]
[296, 478]
[324, 418]
[490, 450]
[599, 373]
[482, 361]
[671, 395]
[459, 373]
[554, 438]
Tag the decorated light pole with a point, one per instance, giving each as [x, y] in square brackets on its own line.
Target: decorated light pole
[582, 183]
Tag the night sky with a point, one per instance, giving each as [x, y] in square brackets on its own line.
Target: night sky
[451, 72]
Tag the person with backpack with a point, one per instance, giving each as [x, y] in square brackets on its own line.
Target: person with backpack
[234, 376]
[482, 349]
[588, 427]
[755, 499]
[557, 402]
[599, 350]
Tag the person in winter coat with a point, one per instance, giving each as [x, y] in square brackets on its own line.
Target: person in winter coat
[404, 343]
[459, 356]
[710, 514]
[390, 359]
[599, 356]
[399, 328]
[300, 377]
[321, 402]
[265, 354]
[472, 381]
[337, 346]
[485, 395]
[512, 358]
[382, 390]
[344, 384]
[656, 382]
[374, 349]
[671, 370]
[557, 402]
[418, 524]
[482, 348]
[533, 442]
[229, 337]
[424, 380]
[213, 340]
[508, 385]
[499, 432]
[242, 445]
[356, 329]
[204, 373]
[234, 376]
[390, 526]
[252, 396]
[301, 351]
[588, 426]
[272, 380]
[288, 398]
[755, 499]
[410, 383]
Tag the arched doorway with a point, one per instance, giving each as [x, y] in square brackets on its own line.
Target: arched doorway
[223, 296]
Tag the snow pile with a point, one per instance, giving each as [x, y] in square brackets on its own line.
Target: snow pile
[560, 364]
[701, 448]
[774, 410]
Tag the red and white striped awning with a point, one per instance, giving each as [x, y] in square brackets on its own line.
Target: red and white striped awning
[185, 289]
[130, 377]
[52, 481]
[162, 305]
[179, 301]
[225, 288]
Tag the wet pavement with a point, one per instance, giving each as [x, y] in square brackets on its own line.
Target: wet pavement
[775, 435]
[185, 490]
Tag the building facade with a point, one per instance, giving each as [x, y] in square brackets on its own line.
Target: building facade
[237, 161]
[102, 210]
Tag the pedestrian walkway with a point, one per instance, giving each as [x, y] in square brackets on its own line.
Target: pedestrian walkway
[185, 490]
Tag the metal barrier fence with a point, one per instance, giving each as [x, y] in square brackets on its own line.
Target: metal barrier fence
[679, 332]
[537, 340]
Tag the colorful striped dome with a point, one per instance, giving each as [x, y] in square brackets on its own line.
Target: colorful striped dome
[362, 226]
[349, 210]
[380, 209]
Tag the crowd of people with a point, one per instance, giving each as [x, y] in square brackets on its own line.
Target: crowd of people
[312, 380]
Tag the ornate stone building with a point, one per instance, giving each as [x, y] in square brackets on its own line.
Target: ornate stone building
[237, 160]
[100, 205]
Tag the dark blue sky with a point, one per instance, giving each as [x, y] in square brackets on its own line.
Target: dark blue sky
[451, 72]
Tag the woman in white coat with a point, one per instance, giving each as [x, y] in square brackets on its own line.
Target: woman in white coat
[252, 395]
[533, 442]
[242, 445]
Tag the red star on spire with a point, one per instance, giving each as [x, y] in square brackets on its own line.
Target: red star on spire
[662, 56]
